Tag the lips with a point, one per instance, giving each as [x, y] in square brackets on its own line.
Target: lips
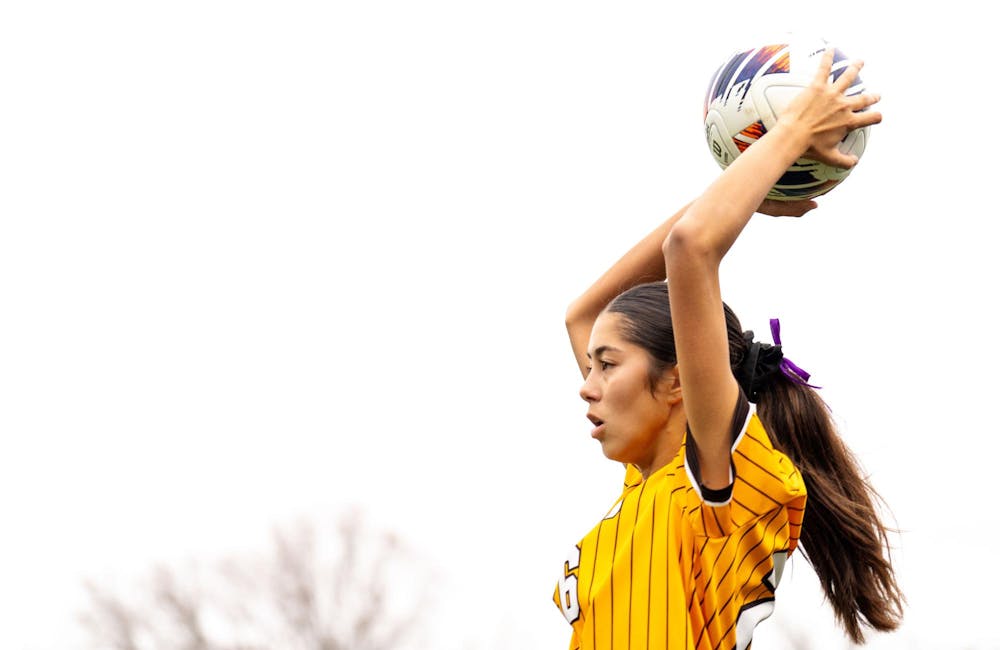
[598, 425]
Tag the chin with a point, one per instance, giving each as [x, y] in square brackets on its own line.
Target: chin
[611, 453]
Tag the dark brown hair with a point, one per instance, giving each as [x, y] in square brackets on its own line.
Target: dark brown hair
[843, 536]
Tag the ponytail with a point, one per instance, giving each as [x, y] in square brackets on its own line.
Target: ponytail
[843, 537]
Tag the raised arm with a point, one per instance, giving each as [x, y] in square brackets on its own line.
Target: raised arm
[642, 263]
[813, 124]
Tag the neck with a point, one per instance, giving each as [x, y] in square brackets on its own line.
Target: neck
[669, 441]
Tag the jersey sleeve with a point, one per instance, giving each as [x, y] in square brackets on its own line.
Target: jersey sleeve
[765, 484]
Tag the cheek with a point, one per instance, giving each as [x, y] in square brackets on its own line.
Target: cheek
[632, 403]
[627, 392]
[646, 416]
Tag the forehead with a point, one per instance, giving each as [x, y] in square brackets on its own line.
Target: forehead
[607, 331]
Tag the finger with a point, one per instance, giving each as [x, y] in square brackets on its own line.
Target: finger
[825, 64]
[782, 208]
[839, 159]
[866, 118]
[861, 101]
[831, 156]
[800, 208]
[847, 77]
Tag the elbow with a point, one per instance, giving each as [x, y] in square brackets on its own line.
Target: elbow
[575, 314]
[687, 244]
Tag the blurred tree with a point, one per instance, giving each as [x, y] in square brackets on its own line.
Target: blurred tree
[364, 591]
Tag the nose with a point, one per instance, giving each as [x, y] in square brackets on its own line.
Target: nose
[589, 391]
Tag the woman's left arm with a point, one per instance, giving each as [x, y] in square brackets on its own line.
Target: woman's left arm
[813, 124]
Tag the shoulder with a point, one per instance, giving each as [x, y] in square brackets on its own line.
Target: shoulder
[764, 480]
[757, 461]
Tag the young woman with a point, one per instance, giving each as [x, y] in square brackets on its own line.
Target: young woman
[721, 436]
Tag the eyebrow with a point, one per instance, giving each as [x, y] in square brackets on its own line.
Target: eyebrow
[602, 349]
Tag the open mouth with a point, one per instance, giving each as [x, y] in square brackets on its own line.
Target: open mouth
[598, 426]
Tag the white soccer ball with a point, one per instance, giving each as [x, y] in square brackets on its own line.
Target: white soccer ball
[750, 90]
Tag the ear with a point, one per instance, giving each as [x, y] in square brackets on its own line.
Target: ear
[669, 386]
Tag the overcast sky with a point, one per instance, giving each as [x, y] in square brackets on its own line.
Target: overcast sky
[269, 260]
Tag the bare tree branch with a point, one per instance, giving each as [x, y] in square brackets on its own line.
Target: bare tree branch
[294, 581]
[353, 590]
[182, 608]
[111, 619]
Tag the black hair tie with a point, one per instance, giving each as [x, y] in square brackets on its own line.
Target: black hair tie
[745, 373]
[764, 361]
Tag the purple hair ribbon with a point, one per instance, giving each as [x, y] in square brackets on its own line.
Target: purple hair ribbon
[789, 369]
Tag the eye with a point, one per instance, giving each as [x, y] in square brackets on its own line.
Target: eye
[606, 364]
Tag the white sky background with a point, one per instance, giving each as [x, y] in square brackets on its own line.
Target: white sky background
[265, 260]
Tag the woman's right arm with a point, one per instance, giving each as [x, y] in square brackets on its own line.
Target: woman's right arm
[642, 263]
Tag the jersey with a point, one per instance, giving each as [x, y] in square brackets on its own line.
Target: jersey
[678, 566]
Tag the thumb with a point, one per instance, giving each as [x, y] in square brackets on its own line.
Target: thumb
[834, 157]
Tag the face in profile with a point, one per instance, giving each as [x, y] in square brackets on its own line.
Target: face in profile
[629, 416]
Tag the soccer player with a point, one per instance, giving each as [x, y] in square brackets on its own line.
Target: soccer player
[721, 435]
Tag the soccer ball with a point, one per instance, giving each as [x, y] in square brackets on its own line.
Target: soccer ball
[750, 90]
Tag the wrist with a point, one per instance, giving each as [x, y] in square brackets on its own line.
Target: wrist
[793, 136]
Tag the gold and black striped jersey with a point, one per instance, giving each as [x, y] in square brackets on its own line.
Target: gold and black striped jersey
[675, 565]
